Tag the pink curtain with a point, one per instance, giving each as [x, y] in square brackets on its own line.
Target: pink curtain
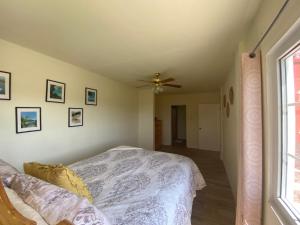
[249, 200]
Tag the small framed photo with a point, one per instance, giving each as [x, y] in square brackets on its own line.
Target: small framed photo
[28, 119]
[5, 85]
[55, 91]
[90, 96]
[75, 117]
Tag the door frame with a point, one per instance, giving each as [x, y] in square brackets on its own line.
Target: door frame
[174, 130]
[174, 124]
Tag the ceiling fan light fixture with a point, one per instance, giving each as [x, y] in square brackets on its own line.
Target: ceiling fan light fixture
[158, 89]
[155, 90]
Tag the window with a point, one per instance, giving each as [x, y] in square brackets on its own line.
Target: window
[289, 191]
[281, 86]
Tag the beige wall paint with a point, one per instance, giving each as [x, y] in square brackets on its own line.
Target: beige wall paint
[113, 122]
[266, 13]
[231, 125]
[192, 101]
[146, 119]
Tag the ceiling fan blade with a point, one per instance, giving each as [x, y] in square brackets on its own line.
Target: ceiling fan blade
[173, 85]
[167, 80]
[147, 81]
[146, 85]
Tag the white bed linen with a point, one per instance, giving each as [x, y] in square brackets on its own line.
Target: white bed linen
[23, 208]
[133, 186]
[56, 204]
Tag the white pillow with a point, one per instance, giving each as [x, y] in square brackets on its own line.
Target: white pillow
[6, 172]
[23, 208]
[55, 204]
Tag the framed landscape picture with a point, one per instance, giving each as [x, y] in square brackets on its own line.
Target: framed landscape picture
[90, 96]
[75, 117]
[55, 91]
[28, 119]
[5, 85]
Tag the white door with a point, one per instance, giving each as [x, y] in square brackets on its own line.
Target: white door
[209, 127]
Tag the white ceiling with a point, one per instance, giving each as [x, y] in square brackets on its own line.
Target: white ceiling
[191, 40]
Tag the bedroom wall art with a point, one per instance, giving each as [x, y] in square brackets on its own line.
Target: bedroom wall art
[90, 96]
[75, 117]
[29, 71]
[28, 119]
[55, 91]
[5, 85]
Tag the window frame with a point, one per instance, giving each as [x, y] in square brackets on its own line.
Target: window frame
[283, 167]
[273, 130]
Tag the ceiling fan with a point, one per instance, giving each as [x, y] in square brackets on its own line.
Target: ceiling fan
[158, 84]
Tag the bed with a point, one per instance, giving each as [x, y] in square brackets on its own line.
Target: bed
[133, 186]
[9, 215]
[130, 186]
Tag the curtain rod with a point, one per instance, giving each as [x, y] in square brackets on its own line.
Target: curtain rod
[253, 54]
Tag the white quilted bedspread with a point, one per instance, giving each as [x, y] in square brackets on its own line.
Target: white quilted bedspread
[133, 186]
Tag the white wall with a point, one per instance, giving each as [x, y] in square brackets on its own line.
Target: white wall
[112, 122]
[192, 101]
[266, 13]
[231, 134]
[146, 119]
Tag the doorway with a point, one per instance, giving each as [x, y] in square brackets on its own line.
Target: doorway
[178, 114]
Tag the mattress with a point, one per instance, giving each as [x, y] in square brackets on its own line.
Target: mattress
[134, 186]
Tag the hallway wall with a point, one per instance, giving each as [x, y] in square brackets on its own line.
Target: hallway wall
[192, 101]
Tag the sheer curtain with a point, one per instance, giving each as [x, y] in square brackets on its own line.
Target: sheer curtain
[249, 200]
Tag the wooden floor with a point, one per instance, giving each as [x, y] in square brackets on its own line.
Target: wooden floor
[214, 205]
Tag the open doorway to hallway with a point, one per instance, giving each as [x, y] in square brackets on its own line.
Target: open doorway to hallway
[178, 121]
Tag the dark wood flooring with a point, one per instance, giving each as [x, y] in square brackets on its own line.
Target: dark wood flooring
[215, 204]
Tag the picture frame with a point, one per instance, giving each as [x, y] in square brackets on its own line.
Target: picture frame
[55, 91]
[5, 85]
[28, 119]
[75, 117]
[91, 96]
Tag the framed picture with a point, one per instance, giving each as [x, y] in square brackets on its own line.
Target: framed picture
[28, 119]
[90, 96]
[5, 85]
[55, 91]
[75, 117]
